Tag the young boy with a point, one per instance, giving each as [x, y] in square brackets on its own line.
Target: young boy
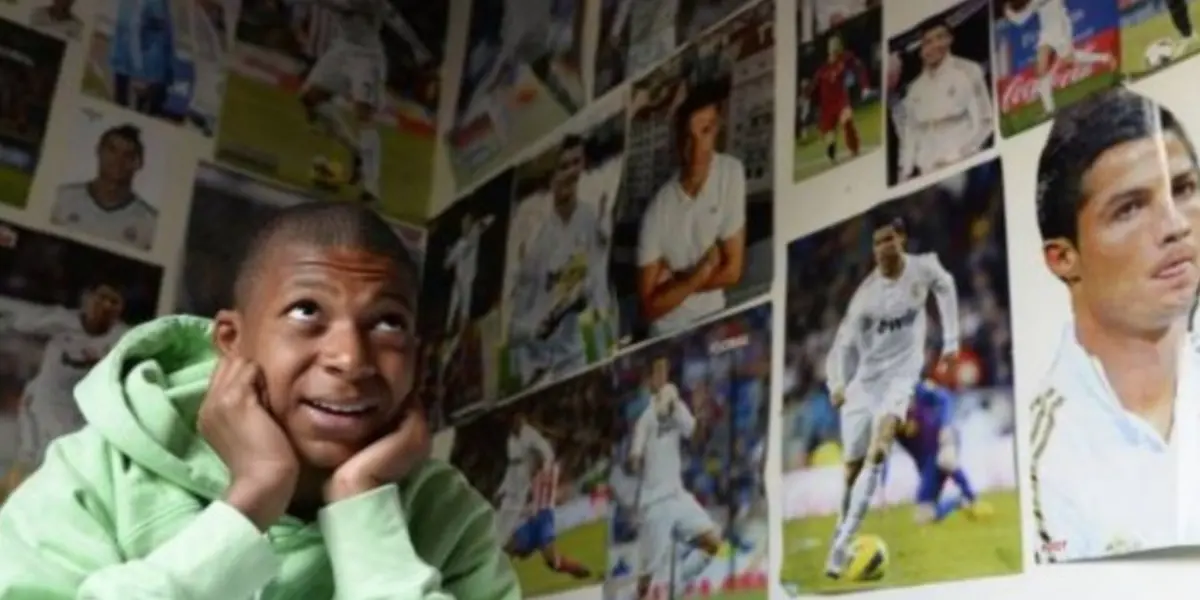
[272, 452]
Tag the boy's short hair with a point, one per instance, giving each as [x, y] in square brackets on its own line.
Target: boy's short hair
[1080, 134]
[322, 224]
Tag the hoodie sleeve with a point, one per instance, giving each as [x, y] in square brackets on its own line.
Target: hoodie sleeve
[377, 555]
[57, 542]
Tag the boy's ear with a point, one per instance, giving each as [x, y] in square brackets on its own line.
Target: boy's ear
[227, 332]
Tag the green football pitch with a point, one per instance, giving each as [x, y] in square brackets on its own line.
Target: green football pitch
[1135, 39]
[957, 548]
[14, 187]
[1032, 114]
[810, 159]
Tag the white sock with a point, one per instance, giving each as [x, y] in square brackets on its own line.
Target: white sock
[860, 501]
[1089, 57]
[332, 118]
[369, 151]
[1045, 89]
[692, 562]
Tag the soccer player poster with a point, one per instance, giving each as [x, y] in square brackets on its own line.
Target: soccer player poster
[29, 66]
[939, 91]
[162, 58]
[694, 226]
[227, 210]
[460, 321]
[543, 462]
[1051, 53]
[322, 95]
[898, 415]
[1156, 34]
[657, 27]
[62, 307]
[689, 514]
[839, 116]
[522, 77]
[560, 311]
[113, 183]
[612, 46]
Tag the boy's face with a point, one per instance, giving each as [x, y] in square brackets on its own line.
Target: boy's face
[331, 329]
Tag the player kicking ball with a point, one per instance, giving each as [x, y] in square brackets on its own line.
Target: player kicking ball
[667, 513]
[876, 360]
[525, 523]
[355, 64]
[1056, 42]
[829, 94]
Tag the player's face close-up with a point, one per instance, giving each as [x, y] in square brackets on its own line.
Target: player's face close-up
[935, 45]
[331, 330]
[118, 158]
[888, 245]
[103, 306]
[658, 374]
[567, 172]
[701, 142]
[1136, 257]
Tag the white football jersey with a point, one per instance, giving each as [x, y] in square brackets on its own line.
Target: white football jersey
[133, 223]
[658, 445]
[358, 23]
[464, 257]
[882, 335]
[43, 20]
[526, 450]
[947, 116]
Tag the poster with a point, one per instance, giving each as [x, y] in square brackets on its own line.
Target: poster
[62, 307]
[165, 59]
[460, 318]
[612, 46]
[560, 309]
[227, 210]
[688, 511]
[898, 324]
[1156, 34]
[543, 462]
[523, 76]
[658, 27]
[939, 88]
[839, 114]
[339, 104]
[1049, 54]
[695, 220]
[113, 186]
[29, 65]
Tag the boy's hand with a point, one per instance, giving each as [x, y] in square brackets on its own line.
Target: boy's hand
[262, 465]
[386, 460]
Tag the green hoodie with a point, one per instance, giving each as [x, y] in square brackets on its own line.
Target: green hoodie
[129, 508]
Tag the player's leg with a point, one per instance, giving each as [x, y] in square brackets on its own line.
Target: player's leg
[951, 468]
[929, 491]
[856, 424]
[655, 544]
[704, 540]
[555, 561]
[325, 80]
[1181, 18]
[452, 307]
[849, 130]
[827, 126]
[1045, 77]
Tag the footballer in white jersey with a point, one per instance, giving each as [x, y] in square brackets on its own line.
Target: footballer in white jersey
[1120, 404]
[354, 65]
[75, 341]
[947, 109]
[1056, 43]
[877, 358]
[463, 259]
[210, 29]
[667, 512]
[58, 19]
[107, 206]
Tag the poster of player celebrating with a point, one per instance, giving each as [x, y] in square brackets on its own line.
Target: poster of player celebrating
[839, 116]
[693, 229]
[29, 66]
[321, 94]
[899, 434]
[689, 514]
[62, 307]
[560, 308]
[543, 461]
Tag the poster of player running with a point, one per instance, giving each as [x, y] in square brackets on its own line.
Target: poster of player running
[1051, 53]
[322, 94]
[162, 58]
[227, 209]
[62, 307]
[695, 219]
[113, 183]
[898, 439]
[543, 461]
[29, 66]
[939, 91]
[839, 116]
[461, 321]
[560, 308]
[522, 77]
[689, 516]
[1156, 34]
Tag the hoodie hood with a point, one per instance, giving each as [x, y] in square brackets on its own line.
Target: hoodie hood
[144, 397]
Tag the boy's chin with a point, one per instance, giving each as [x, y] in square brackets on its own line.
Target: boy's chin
[325, 455]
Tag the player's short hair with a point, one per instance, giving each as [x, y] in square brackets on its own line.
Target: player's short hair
[128, 132]
[934, 23]
[1080, 134]
[886, 219]
[321, 224]
[699, 97]
[96, 285]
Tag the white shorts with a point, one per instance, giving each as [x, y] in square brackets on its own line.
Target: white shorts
[866, 406]
[675, 519]
[1058, 35]
[359, 73]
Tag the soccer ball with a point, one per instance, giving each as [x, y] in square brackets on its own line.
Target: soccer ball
[1159, 53]
[326, 172]
[868, 559]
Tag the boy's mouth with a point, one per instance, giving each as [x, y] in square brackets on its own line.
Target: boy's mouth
[342, 409]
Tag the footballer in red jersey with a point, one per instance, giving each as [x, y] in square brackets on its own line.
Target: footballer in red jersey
[830, 94]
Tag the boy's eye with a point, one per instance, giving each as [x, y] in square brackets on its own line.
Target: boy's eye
[395, 322]
[303, 311]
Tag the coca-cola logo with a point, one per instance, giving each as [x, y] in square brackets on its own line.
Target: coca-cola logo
[1021, 89]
